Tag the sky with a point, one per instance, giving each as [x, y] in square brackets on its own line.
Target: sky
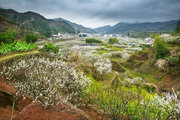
[96, 13]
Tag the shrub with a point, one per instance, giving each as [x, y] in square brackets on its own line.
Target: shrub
[30, 37]
[15, 47]
[116, 55]
[161, 50]
[51, 48]
[7, 38]
[144, 46]
[117, 104]
[93, 40]
[82, 35]
[121, 104]
[174, 41]
[47, 33]
[160, 107]
[149, 87]
[172, 61]
[170, 39]
[113, 40]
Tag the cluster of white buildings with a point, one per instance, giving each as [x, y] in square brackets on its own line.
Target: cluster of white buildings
[100, 35]
[149, 41]
[104, 37]
[60, 35]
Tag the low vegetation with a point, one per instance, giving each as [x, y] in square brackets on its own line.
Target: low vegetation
[93, 40]
[30, 37]
[7, 38]
[16, 47]
[161, 49]
[113, 40]
[49, 47]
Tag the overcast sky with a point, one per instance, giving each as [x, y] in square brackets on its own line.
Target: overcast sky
[95, 13]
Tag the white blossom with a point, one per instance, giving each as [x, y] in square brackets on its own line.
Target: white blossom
[49, 81]
[103, 65]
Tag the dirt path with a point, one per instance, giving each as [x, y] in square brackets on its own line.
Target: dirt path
[6, 57]
[114, 77]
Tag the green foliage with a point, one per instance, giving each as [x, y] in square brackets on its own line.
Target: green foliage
[144, 46]
[82, 35]
[51, 48]
[177, 31]
[113, 40]
[93, 40]
[47, 33]
[122, 103]
[91, 89]
[30, 37]
[116, 55]
[149, 87]
[172, 61]
[161, 49]
[117, 103]
[17, 46]
[7, 38]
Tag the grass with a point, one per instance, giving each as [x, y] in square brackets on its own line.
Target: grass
[145, 50]
[116, 48]
[102, 52]
[116, 59]
[13, 55]
[112, 49]
[146, 76]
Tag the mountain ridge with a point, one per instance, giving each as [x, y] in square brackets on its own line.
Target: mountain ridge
[78, 28]
[123, 27]
[35, 22]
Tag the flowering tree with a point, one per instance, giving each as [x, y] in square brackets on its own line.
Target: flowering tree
[161, 107]
[103, 65]
[48, 81]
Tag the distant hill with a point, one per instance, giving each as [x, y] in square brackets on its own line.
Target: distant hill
[78, 28]
[36, 22]
[103, 29]
[121, 27]
[178, 28]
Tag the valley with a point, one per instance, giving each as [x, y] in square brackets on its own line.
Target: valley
[54, 69]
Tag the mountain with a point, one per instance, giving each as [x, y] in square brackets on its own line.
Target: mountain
[103, 29]
[178, 28]
[35, 22]
[78, 28]
[7, 23]
[121, 27]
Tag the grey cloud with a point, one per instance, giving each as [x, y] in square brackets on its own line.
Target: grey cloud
[101, 10]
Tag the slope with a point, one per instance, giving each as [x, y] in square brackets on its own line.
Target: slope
[78, 28]
[35, 22]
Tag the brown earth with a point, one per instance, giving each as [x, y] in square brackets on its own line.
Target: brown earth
[144, 63]
[35, 111]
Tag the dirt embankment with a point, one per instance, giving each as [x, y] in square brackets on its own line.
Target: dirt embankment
[144, 64]
[26, 109]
